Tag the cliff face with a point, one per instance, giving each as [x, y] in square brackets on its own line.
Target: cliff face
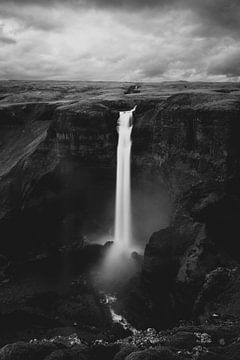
[195, 127]
[24, 158]
[190, 134]
[184, 137]
[199, 156]
[187, 133]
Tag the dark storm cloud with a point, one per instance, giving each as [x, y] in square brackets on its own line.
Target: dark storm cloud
[7, 40]
[148, 40]
[30, 19]
[154, 69]
[227, 64]
[224, 14]
[220, 14]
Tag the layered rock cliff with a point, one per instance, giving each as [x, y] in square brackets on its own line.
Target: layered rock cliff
[186, 133]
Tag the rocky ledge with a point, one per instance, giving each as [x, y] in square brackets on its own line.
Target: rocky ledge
[216, 340]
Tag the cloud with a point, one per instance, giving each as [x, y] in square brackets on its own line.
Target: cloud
[154, 69]
[46, 19]
[213, 13]
[4, 38]
[7, 40]
[120, 40]
[226, 63]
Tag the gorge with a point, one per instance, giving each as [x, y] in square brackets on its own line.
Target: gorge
[58, 145]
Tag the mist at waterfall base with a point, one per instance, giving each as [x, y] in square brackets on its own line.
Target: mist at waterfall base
[123, 257]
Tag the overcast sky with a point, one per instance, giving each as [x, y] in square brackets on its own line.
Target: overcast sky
[125, 40]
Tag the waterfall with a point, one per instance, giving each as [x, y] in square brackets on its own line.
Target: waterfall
[122, 235]
[118, 265]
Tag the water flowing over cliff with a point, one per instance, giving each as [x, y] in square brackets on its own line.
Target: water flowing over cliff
[123, 220]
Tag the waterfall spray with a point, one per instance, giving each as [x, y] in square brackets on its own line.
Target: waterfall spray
[118, 265]
[123, 234]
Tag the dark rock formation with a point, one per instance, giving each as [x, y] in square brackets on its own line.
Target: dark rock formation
[194, 147]
[125, 351]
[151, 354]
[190, 137]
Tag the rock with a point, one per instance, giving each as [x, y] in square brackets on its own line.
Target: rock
[232, 352]
[27, 318]
[137, 258]
[24, 130]
[84, 309]
[159, 256]
[124, 352]
[189, 137]
[220, 218]
[169, 134]
[17, 351]
[61, 355]
[26, 351]
[215, 283]
[65, 355]
[203, 338]
[183, 340]
[104, 351]
[116, 331]
[159, 270]
[151, 354]
[161, 267]
[4, 262]
[67, 341]
[200, 196]
[107, 245]
[210, 356]
[190, 268]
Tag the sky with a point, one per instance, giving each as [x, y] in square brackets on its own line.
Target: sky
[120, 40]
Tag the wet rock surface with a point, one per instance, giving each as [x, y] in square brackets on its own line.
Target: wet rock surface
[208, 341]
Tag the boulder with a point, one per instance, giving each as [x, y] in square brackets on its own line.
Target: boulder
[183, 340]
[103, 351]
[27, 351]
[152, 354]
[210, 356]
[124, 352]
[233, 352]
[65, 355]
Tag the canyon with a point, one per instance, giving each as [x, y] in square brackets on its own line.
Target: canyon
[58, 144]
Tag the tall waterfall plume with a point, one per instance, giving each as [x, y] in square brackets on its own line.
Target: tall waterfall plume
[123, 233]
[118, 264]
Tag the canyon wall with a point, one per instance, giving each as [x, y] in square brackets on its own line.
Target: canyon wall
[188, 137]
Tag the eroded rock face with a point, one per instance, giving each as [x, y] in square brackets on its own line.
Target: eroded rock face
[190, 138]
[187, 136]
[24, 158]
[195, 153]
